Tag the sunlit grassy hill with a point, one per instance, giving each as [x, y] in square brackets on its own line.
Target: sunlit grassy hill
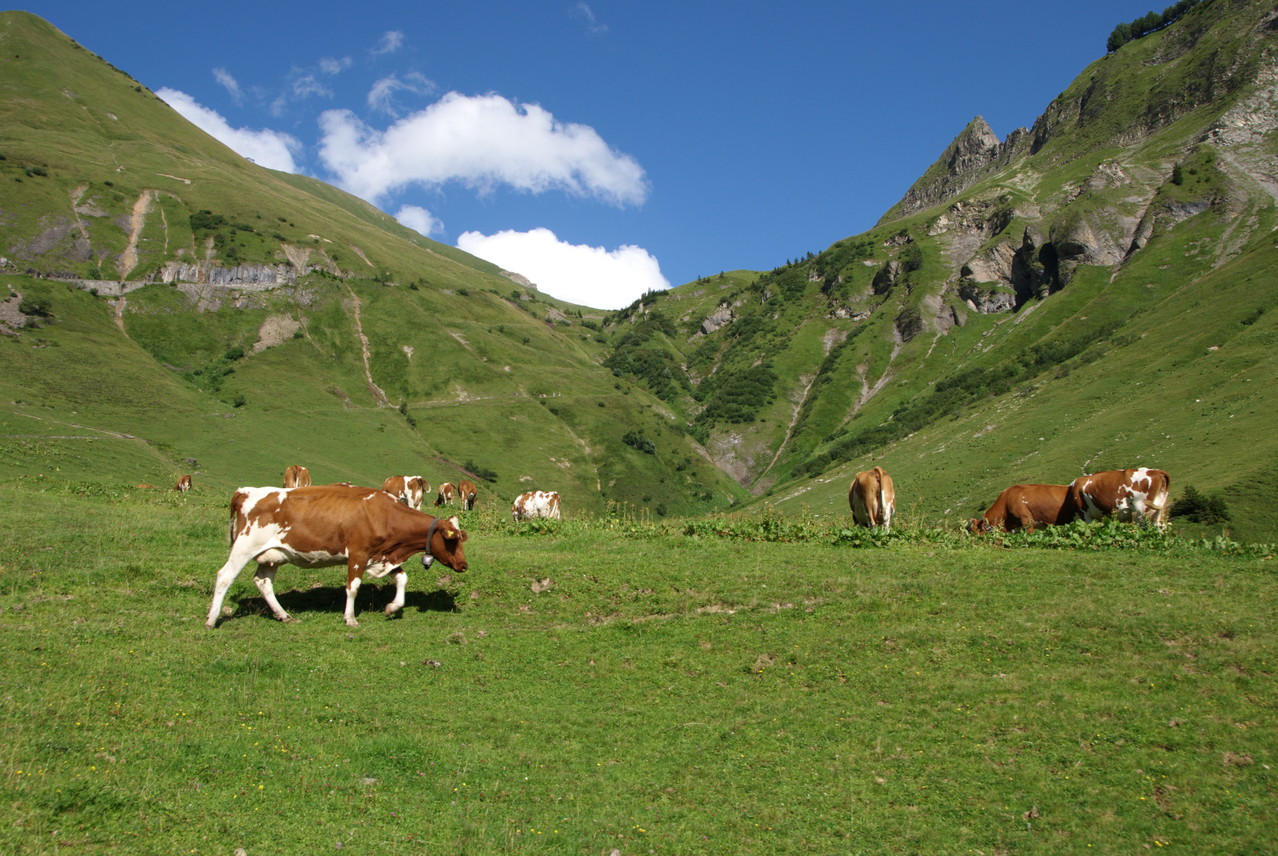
[1094, 292]
[231, 320]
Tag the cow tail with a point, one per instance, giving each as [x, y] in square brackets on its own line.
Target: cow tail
[237, 502]
[1160, 501]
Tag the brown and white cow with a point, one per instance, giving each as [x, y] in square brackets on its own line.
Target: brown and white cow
[1025, 506]
[296, 476]
[447, 493]
[409, 490]
[183, 484]
[1133, 496]
[466, 493]
[872, 497]
[536, 503]
[368, 530]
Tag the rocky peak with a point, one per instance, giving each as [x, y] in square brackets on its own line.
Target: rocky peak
[966, 160]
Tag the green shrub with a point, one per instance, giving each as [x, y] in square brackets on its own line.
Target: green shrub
[1200, 507]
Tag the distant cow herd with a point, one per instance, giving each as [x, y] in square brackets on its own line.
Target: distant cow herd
[375, 531]
[1133, 496]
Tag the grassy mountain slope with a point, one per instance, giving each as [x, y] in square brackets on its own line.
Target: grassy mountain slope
[1093, 293]
[1090, 293]
[135, 250]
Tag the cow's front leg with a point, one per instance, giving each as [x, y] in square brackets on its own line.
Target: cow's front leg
[401, 586]
[354, 571]
[265, 581]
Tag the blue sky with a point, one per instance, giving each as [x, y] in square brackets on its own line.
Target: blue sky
[605, 148]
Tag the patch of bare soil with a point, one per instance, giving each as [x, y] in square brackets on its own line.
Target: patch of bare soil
[274, 331]
[11, 318]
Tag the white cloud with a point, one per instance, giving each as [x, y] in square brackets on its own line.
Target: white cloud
[381, 97]
[272, 149]
[392, 40]
[481, 141]
[229, 83]
[588, 276]
[303, 85]
[585, 13]
[420, 220]
[328, 65]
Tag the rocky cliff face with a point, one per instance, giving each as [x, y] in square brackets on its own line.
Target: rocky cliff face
[1009, 241]
[974, 153]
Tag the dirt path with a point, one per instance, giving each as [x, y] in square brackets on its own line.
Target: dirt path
[98, 434]
[137, 221]
[378, 394]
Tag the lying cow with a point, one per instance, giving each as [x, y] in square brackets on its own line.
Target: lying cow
[312, 527]
[535, 503]
[1133, 496]
[872, 497]
[1025, 506]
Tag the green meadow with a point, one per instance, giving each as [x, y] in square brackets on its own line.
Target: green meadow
[755, 684]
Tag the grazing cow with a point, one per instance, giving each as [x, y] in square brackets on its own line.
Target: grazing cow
[1133, 496]
[313, 527]
[466, 494]
[873, 499]
[183, 484]
[296, 476]
[1024, 506]
[535, 503]
[447, 493]
[409, 490]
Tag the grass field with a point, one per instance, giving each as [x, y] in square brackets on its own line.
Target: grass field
[616, 686]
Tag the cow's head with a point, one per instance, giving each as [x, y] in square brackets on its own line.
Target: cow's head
[979, 526]
[446, 544]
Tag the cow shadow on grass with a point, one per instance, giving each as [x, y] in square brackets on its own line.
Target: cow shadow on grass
[370, 602]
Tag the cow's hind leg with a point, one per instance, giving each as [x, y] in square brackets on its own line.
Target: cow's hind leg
[265, 581]
[226, 575]
[401, 586]
[354, 572]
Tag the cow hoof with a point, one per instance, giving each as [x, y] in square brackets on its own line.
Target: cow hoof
[352, 623]
[211, 625]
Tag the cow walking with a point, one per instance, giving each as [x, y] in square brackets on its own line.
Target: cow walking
[368, 530]
[466, 494]
[872, 497]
